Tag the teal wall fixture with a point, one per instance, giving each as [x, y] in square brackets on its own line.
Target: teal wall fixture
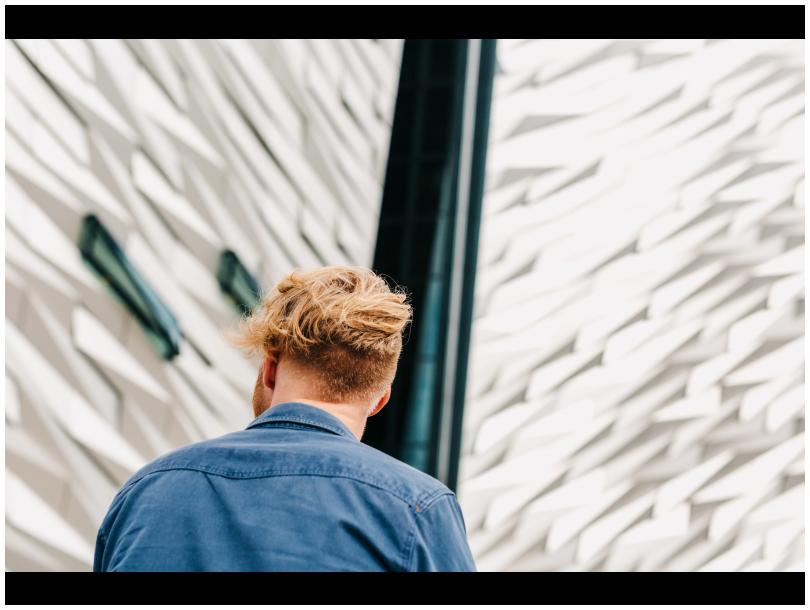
[428, 241]
[109, 262]
[241, 289]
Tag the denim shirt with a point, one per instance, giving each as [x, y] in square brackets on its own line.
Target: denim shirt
[294, 491]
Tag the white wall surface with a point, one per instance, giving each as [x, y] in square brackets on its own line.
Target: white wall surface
[275, 149]
[636, 391]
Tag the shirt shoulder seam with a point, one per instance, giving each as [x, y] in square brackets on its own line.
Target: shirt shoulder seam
[416, 501]
[431, 499]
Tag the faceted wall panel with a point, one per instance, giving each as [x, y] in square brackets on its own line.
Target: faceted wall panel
[636, 391]
[274, 149]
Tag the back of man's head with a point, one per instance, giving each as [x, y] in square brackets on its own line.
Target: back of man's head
[341, 325]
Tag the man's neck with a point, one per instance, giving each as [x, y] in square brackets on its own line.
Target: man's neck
[350, 414]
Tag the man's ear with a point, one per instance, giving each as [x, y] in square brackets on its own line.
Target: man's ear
[269, 370]
[381, 402]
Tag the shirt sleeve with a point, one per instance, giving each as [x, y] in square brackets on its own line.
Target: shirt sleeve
[98, 558]
[440, 538]
[105, 547]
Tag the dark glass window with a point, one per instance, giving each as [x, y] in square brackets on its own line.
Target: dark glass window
[421, 220]
[109, 262]
[239, 286]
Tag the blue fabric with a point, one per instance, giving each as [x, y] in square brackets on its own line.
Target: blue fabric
[294, 491]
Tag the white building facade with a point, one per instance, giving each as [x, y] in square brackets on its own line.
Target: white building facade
[636, 386]
[272, 149]
[636, 379]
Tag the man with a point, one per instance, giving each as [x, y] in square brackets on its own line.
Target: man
[296, 490]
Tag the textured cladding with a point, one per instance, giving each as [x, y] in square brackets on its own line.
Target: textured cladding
[636, 391]
[274, 149]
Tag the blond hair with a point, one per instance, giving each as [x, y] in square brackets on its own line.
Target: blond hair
[343, 323]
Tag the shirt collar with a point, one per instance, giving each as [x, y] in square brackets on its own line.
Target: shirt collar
[302, 413]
